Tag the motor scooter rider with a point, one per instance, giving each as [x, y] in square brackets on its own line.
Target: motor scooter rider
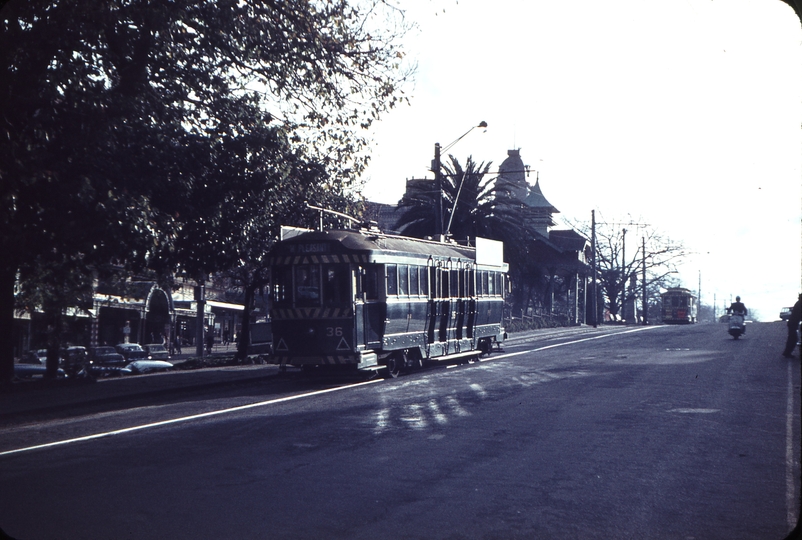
[738, 308]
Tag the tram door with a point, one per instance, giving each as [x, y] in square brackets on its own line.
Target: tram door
[369, 311]
[458, 293]
[444, 307]
[470, 292]
[431, 310]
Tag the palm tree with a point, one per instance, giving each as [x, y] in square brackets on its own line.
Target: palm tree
[474, 206]
[486, 206]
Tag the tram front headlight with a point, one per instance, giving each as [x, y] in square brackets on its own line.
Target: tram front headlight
[310, 331]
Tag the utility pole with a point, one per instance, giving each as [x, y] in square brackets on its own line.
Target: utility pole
[623, 275]
[643, 283]
[593, 250]
[200, 302]
[438, 187]
[699, 293]
[714, 308]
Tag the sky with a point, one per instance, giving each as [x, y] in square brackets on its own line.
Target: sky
[683, 115]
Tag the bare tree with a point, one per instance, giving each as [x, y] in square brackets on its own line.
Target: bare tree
[624, 251]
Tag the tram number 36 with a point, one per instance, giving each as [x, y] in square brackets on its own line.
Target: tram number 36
[334, 331]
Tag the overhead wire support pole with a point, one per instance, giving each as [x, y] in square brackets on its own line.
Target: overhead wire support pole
[643, 283]
[438, 182]
[593, 251]
[438, 187]
[624, 275]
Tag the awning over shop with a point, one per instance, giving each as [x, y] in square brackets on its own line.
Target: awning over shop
[224, 305]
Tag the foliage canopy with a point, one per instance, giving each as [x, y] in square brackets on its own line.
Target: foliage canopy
[140, 134]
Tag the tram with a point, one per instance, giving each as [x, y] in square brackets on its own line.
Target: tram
[679, 306]
[365, 300]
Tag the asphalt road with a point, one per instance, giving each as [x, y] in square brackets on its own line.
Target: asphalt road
[659, 433]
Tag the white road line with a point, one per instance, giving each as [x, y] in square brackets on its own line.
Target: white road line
[510, 355]
[790, 498]
[183, 419]
[279, 400]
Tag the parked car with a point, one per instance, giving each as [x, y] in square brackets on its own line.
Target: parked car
[27, 371]
[73, 356]
[156, 351]
[108, 370]
[131, 351]
[105, 356]
[148, 366]
[74, 360]
[36, 357]
[785, 313]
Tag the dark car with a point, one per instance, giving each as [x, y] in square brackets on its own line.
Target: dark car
[74, 360]
[156, 351]
[106, 356]
[73, 356]
[785, 313]
[38, 357]
[131, 351]
[27, 371]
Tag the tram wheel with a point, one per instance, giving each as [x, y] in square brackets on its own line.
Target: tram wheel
[393, 366]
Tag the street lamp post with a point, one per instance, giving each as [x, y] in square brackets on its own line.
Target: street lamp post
[438, 181]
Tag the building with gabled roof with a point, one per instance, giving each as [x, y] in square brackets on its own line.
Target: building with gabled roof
[560, 255]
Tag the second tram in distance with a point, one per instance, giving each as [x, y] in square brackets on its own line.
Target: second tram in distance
[679, 306]
[368, 300]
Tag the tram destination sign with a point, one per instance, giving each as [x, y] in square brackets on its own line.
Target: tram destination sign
[310, 247]
[489, 252]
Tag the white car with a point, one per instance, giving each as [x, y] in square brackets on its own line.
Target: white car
[139, 367]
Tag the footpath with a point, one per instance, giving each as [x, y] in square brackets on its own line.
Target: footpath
[41, 398]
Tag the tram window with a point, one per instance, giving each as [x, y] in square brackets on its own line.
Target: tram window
[683, 302]
[424, 280]
[370, 282]
[414, 288]
[454, 282]
[307, 285]
[445, 280]
[435, 283]
[336, 287]
[485, 287]
[403, 279]
[471, 284]
[491, 283]
[499, 283]
[392, 279]
[282, 285]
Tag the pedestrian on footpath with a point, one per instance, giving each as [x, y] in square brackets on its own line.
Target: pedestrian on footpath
[793, 325]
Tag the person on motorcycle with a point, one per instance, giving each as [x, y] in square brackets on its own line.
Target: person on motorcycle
[738, 308]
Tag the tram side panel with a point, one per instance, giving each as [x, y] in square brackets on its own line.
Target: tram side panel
[341, 308]
[489, 305]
